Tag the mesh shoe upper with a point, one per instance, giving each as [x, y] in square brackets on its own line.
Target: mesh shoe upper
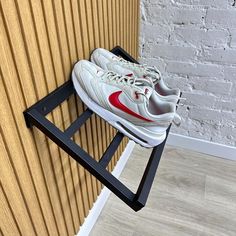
[109, 61]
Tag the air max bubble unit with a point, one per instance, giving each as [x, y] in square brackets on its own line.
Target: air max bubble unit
[127, 103]
[109, 61]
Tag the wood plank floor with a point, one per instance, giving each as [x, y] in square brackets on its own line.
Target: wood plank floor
[193, 194]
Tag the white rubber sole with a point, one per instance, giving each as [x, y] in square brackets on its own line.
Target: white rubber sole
[130, 130]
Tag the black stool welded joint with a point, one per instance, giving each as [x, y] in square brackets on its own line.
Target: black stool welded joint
[35, 116]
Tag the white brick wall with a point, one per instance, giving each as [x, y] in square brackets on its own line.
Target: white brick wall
[193, 43]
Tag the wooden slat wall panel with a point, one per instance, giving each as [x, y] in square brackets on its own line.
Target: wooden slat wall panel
[42, 190]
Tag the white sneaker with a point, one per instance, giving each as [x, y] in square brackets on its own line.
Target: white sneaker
[109, 61]
[128, 104]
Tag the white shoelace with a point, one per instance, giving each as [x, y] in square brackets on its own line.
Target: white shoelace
[120, 79]
[130, 81]
[125, 80]
[151, 71]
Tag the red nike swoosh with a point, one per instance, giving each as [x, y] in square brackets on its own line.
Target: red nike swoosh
[114, 100]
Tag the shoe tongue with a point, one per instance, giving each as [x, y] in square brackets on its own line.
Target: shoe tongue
[153, 74]
[146, 91]
[145, 86]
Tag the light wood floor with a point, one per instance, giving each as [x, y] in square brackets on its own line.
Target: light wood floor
[193, 194]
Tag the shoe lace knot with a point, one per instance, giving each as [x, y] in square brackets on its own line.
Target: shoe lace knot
[153, 72]
[126, 80]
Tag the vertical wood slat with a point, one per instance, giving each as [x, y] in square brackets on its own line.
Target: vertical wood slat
[39, 43]
[102, 43]
[97, 120]
[7, 216]
[93, 142]
[88, 145]
[111, 42]
[85, 182]
[137, 24]
[62, 29]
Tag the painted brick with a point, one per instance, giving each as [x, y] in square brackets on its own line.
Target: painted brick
[160, 2]
[226, 105]
[205, 115]
[177, 81]
[158, 15]
[199, 135]
[209, 3]
[159, 63]
[175, 15]
[226, 56]
[222, 18]
[230, 73]
[199, 100]
[155, 33]
[188, 16]
[233, 91]
[172, 52]
[199, 37]
[213, 86]
[195, 69]
[228, 131]
[233, 38]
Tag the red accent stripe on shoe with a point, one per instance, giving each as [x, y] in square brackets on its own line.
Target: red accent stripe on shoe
[114, 100]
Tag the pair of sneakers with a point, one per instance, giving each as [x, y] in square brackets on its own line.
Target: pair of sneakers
[131, 97]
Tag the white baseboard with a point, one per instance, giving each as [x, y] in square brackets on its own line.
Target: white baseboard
[102, 198]
[203, 146]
